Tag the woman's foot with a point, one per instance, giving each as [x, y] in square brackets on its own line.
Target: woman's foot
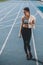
[29, 56]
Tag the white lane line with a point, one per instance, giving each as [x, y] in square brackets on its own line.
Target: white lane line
[9, 19]
[5, 8]
[6, 26]
[8, 13]
[37, 10]
[4, 44]
[40, 13]
[6, 21]
[33, 39]
[13, 14]
[36, 14]
[34, 48]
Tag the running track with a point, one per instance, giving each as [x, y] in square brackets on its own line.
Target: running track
[11, 46]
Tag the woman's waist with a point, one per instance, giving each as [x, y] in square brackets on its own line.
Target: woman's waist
[25, 25]
[28, 26]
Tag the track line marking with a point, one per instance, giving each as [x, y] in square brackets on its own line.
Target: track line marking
[8, 20]
[33, 39]
[40, 13]
[6, 26]
[8, 13]
[34, 48]
[37, 10]
[4, 44]
[4, 9]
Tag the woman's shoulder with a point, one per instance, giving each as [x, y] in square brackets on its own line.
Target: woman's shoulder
[23, 18]
[32, 17]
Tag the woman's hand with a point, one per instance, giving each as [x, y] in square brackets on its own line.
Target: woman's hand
[32, 23]
[19, 35]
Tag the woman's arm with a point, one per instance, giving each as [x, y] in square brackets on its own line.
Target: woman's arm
[32, 20]
[21, 27]
[32, 23]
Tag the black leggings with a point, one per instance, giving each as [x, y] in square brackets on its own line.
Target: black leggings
[26, 34]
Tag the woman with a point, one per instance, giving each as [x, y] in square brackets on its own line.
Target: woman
[25, 30]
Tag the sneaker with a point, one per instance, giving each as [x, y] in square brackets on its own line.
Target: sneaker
[28, 57]
[31, 56]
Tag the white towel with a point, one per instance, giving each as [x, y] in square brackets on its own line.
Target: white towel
[30, 20]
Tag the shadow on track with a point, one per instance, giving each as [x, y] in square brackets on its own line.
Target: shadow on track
[33, 59]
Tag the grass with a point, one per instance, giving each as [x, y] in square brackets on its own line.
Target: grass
[3, 0]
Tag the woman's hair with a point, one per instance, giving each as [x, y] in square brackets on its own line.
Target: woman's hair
[27, 9]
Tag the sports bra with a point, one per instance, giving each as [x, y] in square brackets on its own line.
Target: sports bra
[25, 21]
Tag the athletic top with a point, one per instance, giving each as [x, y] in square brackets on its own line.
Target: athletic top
[29, 21]
[25, 21]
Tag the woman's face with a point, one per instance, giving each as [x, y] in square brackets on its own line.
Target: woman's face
[26, 13]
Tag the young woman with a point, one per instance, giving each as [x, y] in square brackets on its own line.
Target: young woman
[28, 22]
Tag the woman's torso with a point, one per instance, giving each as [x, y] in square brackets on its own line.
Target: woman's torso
[25, 22]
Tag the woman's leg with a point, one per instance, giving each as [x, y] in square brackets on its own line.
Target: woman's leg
[28, 41]
[24, 39]
[25, 47]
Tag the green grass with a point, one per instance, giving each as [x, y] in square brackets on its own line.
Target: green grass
[3, 0]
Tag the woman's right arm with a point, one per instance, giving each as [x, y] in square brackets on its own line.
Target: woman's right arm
[21, 27]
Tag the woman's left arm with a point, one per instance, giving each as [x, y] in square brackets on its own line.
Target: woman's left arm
[32, 23]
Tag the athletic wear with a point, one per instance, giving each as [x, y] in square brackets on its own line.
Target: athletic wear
[26, 34]
[29, 21]
[25, 21]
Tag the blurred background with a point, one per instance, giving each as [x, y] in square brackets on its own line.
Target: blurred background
[19, 0]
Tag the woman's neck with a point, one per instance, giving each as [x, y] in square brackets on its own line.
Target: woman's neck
[27, 17]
